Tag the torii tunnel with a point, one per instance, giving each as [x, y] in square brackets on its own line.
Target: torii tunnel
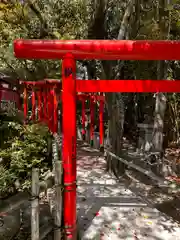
[45, 96]
[70, 51]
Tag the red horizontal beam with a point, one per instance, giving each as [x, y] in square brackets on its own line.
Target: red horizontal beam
[86, 97]
[98, 49]
[89, 96]
[42, 82]
[127, 86]
[89, 86]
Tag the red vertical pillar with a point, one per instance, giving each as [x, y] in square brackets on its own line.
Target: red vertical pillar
[50, 110]
[101, 125]
[51, 95]
[91, 120]
[0, 95]
[55, 111]
[45, 104]
[83, 119]
[25, 104]
[39, 105]
[69, 144]
[33, 99]
[48, 107]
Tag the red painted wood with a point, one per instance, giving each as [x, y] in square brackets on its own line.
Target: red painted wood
[127, 86]
[69, 144]
[44, 82]
[91, 119]
[33, 99]
[0, 95]
[87, 86]
[98, 49]
[25, 103]
[40, 110]
[45, 104]
[55, 111]
[101, 123]
[49, 109]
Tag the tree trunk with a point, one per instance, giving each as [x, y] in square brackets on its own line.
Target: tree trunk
[115, 105]
[114, 101]
[163, 18]
[160, 108]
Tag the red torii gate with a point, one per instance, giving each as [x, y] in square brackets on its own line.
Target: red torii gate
[72, 50]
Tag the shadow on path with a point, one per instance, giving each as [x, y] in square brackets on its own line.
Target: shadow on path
[108, 210]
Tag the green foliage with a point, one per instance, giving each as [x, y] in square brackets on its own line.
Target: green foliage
[26, 147]
[39, 20]
[6, 181]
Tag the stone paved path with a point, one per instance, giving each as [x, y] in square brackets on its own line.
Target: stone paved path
[108, 210]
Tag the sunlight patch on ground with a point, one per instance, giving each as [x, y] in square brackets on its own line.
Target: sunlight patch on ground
[108, 210]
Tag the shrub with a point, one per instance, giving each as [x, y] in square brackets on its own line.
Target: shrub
[22, 148]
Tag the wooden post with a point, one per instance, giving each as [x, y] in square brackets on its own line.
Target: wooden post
[101, 125]
[0, 95]
[57, 169]
[33, 99]
[40, 110]
[25, 104]
[91, 121]
[45, 105]
[55, 110]
[58, 200]
[35, 205]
